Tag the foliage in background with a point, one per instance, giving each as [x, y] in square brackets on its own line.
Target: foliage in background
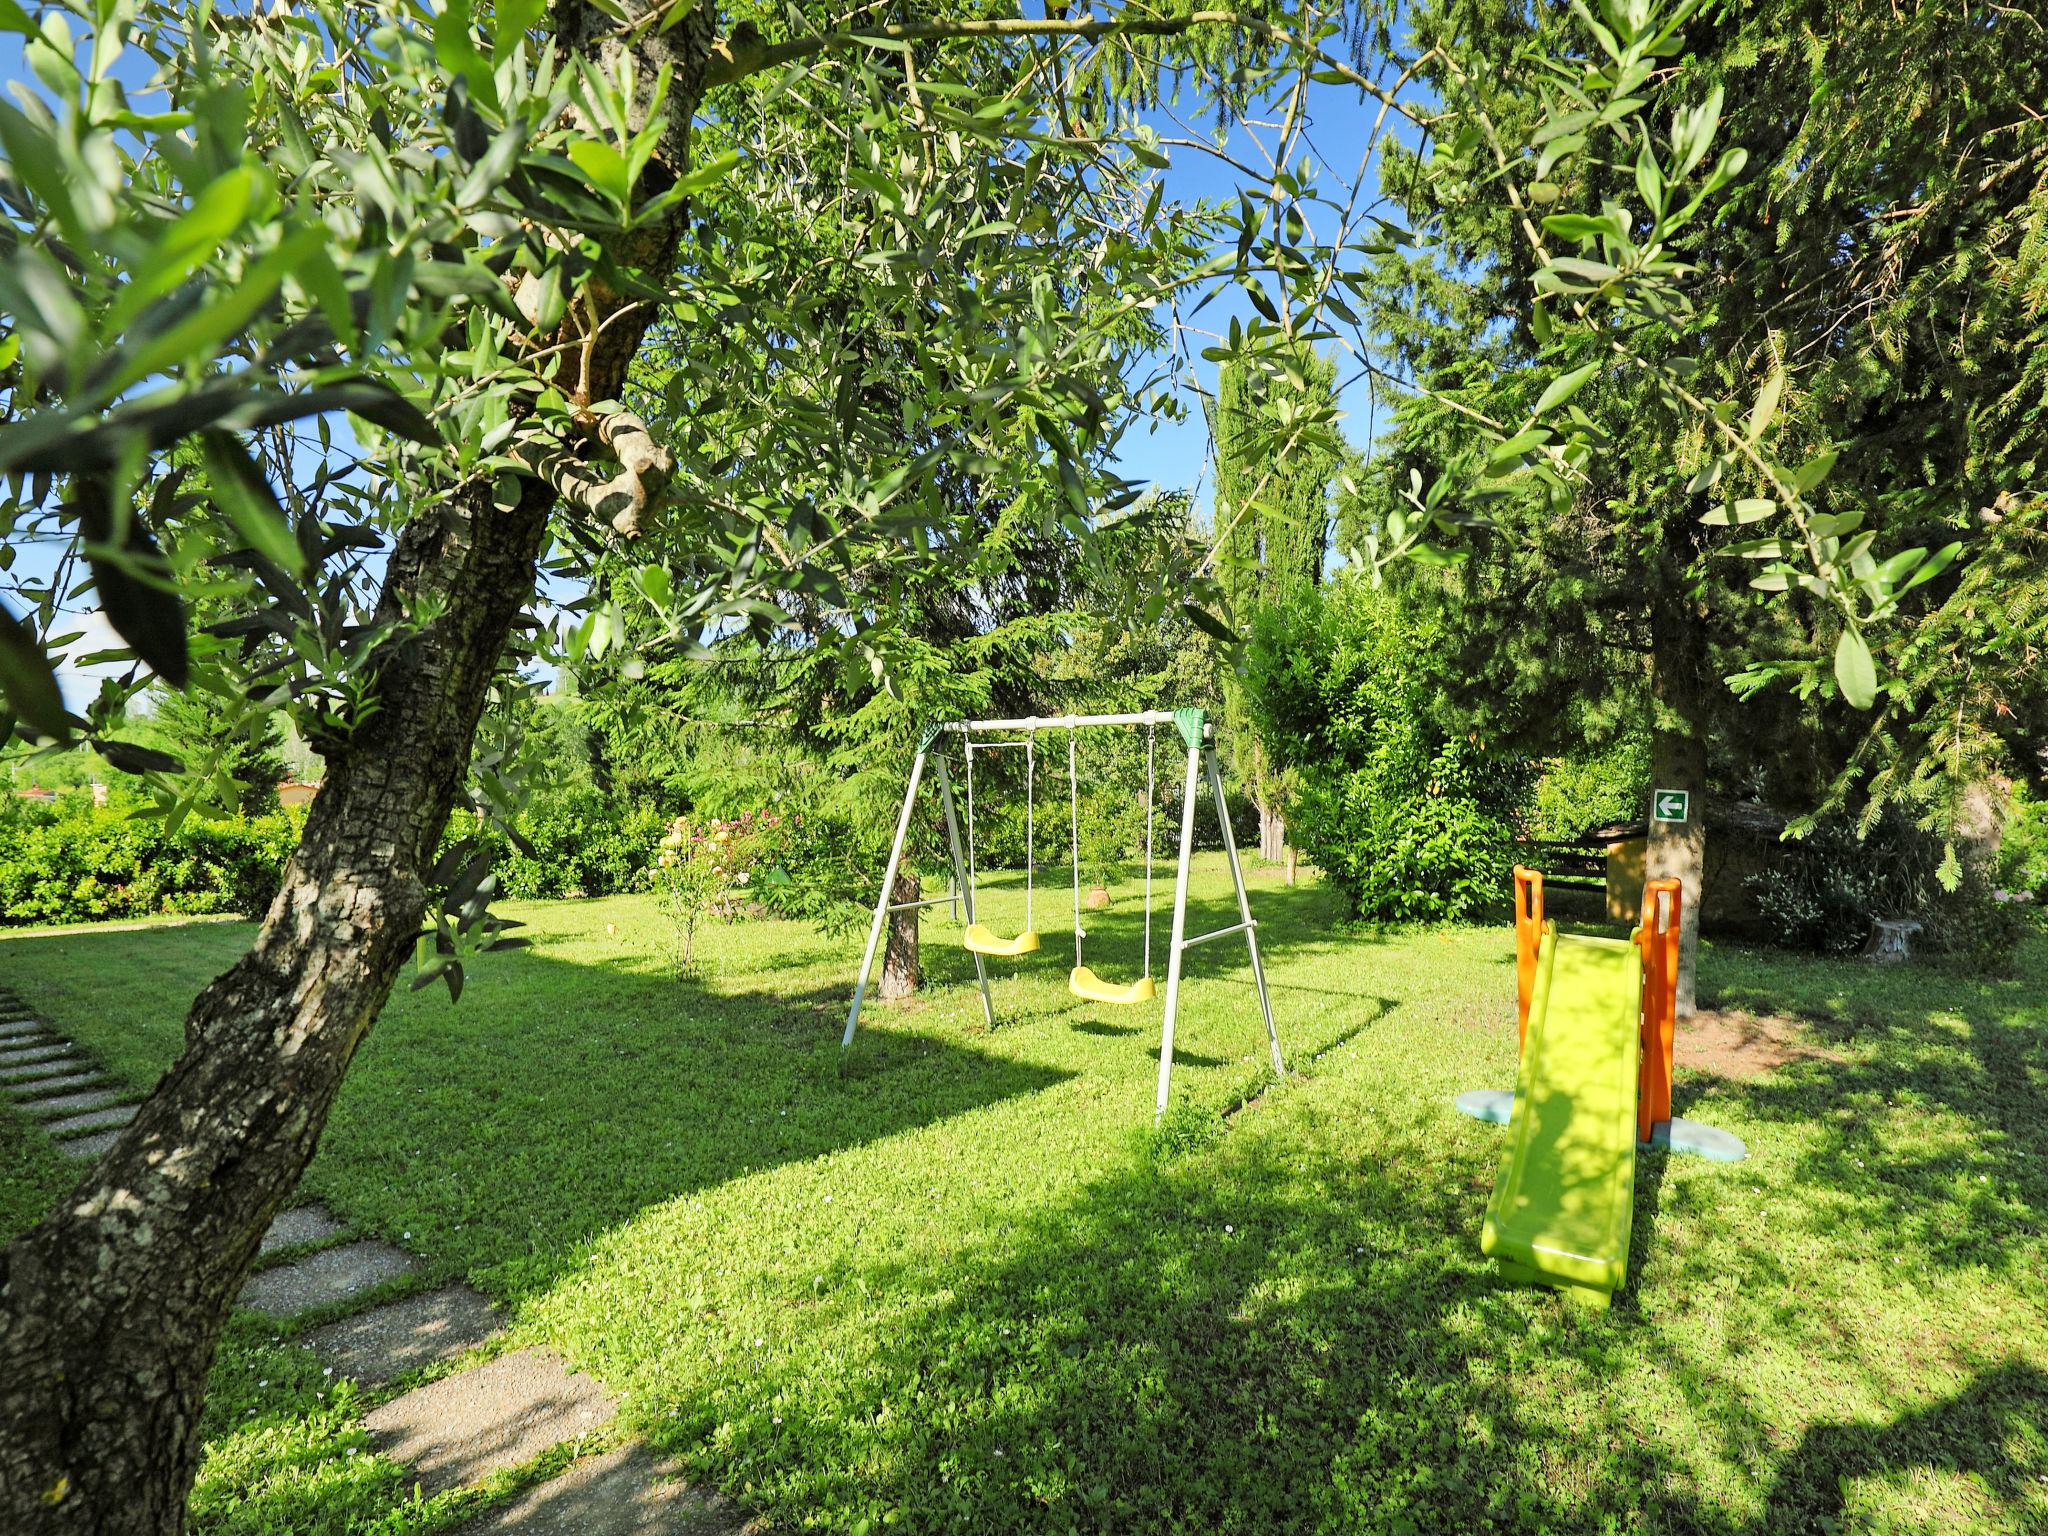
[1827, 433]
[1583, 791]
[705, 869]
[1826, 892]
[1277, 451]
[1407, 822]
[73, 862]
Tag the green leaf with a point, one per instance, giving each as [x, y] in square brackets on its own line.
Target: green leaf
[1563, 388]
[491, 167]
[1749, 509]
[1943, 559]
[1814, 470]
[605, 169]
[29, 680]
[1766, 405]
[1209, 624]
[201, 335]
[243, 493]
[130, 757]
[1855, 671]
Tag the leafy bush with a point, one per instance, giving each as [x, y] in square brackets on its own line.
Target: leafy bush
[584, 843]
[1825, 893]
[74, 862]
[1406, 824]
[2023, 850]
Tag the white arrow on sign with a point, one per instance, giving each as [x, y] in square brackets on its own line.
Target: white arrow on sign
[1670, 804]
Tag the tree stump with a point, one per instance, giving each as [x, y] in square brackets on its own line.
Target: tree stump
[1889, 940]
[900, 971]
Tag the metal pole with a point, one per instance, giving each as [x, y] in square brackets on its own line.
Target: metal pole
[988, 1008]
[1060, 722]
[1244, 911]
[867, 959]
[1180, 928]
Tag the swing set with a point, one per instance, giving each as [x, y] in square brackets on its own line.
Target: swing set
[984, 942]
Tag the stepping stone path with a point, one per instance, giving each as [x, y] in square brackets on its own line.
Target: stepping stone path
[627, 1492]
[320, 1279]
[461, 1428]
[450, 1433]
[51, 1080]
[400, 1336]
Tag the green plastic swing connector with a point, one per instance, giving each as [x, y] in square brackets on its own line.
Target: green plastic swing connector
[931, 734]
[1192, 724]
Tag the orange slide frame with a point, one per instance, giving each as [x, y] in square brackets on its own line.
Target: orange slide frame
[1657, 934]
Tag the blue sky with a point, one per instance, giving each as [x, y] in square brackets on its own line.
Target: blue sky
[1172, 455]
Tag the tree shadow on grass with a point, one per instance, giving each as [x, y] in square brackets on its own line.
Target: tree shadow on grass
[560, 1099]
[1264, 1338]
[1931, 1127]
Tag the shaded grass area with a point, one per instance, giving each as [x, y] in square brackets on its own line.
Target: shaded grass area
[952, 1281]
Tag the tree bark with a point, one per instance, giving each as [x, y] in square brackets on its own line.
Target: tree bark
[110, 1310]
[1678, 760]
[900, 970]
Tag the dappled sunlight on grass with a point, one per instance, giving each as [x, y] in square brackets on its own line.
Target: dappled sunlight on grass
[952, 1279]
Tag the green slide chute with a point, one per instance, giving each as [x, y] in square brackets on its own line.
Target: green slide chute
[1565, 1196]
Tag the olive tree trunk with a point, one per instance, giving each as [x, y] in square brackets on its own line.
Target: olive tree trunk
[111, 1309]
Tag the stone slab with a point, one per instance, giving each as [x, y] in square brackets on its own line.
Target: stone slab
[300, 1224]
[385, 1342]
[631, 1491]
[88, 1146]
[332, 1274]
[73, 1103]
[40, 1087]
[458, 1430]
[28, 1055]
[14, 1031]
[56, 1066]
[91, 1120]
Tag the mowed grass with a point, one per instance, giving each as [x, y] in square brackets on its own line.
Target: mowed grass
[952, 1281]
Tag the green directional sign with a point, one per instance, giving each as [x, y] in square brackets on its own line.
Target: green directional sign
[1671, 805]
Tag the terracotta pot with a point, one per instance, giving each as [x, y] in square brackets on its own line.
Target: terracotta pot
[1098, 896]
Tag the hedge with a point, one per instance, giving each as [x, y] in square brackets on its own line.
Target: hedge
[74, 862]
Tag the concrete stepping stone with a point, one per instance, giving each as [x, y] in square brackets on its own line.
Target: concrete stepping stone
[460, 1429]
[73, 1103]
[37, 1087]
[29, 1055]
[82, 1147]
[332, 1274]
[56, 1066]
[385, 1342]
[631, 1491]
[92, 1120]
[15, 1031]
[300, 1224]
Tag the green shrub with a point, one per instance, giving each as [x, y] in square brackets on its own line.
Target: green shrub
[583, 841]
[1825, 892]
[73, 862]
[2023, 850]
[1408, 825]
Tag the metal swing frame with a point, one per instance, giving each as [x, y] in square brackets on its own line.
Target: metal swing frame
[1199, 737]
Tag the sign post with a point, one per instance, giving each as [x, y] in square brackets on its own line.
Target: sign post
[1671, 805]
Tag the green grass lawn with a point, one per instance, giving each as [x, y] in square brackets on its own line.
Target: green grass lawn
[950, 1281]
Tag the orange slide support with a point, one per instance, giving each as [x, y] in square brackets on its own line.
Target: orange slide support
[1528, 939]
[1658, 935]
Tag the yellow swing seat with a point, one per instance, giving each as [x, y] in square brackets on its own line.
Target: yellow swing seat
[984, 940]
[1083, 982]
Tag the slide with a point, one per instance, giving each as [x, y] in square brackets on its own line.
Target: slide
[1565, 1196]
